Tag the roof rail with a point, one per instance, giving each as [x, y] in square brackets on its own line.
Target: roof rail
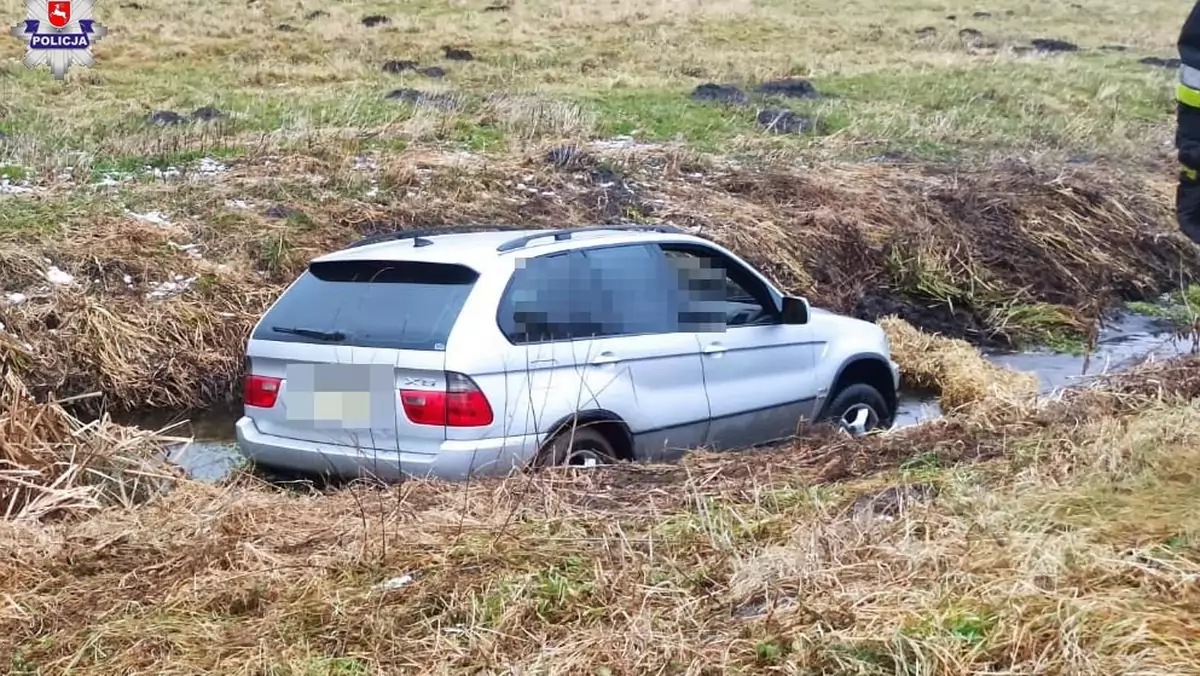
[419, 236]
[567, 233]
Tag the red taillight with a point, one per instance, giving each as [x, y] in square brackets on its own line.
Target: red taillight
[463, 404]
[260, 391]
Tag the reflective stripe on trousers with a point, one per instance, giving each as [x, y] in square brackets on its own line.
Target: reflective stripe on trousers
[1188, 91]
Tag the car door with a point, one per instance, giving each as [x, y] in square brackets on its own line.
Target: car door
[633, 302]
[592, 330]
[759, 372]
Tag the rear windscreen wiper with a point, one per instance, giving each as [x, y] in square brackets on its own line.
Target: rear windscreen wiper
[327, 336]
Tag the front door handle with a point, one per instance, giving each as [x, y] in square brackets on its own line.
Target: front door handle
[605, 358]
[714, 348]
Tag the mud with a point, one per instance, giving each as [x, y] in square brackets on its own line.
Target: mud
[780, 121]
[166, 118]
[1052, 45]
[399, 66]
[725, 93]
[792, 87]
[163, 118]
[281, 212]
[1159, 62]
[1124, 343]
[206, 113]
[420, 98]
[456, 54]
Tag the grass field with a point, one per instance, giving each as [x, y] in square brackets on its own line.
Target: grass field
[972, 184]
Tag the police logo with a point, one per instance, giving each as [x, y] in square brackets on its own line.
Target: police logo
[60, 34]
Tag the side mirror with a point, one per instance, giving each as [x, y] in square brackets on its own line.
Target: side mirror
[795, 310]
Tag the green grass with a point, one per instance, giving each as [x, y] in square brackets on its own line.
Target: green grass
[1180, 309]
[633, 67]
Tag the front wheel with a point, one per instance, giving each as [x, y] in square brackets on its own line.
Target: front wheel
[858, 410]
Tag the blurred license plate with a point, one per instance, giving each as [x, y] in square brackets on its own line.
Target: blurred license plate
[353, 396]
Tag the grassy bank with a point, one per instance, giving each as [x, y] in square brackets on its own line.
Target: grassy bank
[1022, 539]
[994, 254]
[974, 185]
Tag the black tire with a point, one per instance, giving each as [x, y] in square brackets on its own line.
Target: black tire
[576, 445]
[859, 396]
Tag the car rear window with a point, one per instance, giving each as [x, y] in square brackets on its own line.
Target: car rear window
[389, 304]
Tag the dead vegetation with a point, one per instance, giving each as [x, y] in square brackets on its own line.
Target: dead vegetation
[53, 465]
[996, 254]
[956, 371]
[1065, 544]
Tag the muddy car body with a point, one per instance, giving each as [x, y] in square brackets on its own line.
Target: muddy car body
[453, 355]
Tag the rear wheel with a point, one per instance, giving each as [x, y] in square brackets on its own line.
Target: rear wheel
[577, 447]
[859, 409]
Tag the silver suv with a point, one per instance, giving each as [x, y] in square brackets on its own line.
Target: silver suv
[454, 354]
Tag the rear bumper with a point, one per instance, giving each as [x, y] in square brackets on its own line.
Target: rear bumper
[455, 460]
[895, 374]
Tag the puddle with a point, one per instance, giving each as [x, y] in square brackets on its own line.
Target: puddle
[1123, 343]
[212, 454]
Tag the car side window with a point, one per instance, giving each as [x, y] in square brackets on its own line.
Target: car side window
[631, 291]
[591, 293]
[719, 290]
[537, 305]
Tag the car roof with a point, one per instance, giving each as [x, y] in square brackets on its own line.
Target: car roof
[480, 249]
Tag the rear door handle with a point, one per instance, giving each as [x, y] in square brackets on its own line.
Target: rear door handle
[714, 348]
[604, 358]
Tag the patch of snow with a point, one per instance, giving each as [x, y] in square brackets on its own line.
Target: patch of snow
[365, 163]
[109, 180]
[621, 143]
[155, 217]
[169, 172]
[16, 298]
[238, 204]
[395, 583]
[8, 187]
[57, 277]
[209, 166]
[176, 286]
[192, 250]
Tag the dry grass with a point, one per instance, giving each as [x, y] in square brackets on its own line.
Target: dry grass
[53, 465]
[1067, 546]
[953, 368]
[1002, 253]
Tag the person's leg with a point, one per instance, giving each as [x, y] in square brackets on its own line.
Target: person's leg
[1187, 133]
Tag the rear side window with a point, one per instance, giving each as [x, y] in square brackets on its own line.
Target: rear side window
[400, 305]
[590, 293]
